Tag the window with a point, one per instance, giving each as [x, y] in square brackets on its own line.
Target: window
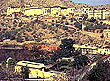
[35, 64]
[24, 62]
[29, 63]
[46, 70]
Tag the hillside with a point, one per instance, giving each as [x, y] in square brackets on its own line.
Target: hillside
[46, 3]
[104, 6]
[39, 3]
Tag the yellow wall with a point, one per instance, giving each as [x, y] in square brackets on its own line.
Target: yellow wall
[55, 11]
[70, 10]
[95, 49]
[11, 10]
[102, 51]
[101, 14]
[33, 12]
[36, 72]
[46, 11]
[96, 14]
[52, 11]
[39, 73]
[106, 14]
[64, 12]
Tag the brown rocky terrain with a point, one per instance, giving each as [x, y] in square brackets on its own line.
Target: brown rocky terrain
[39, 3]
[107, 6]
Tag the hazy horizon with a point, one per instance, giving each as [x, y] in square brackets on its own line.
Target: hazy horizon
[93, 2]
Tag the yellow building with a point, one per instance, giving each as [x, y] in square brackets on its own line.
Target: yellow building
[37, 70]
[102, 51]
[11, 10]
[71, 10]
[85, 48]
[46, 11]
[28, 64]
[67, 11]
[50, 11]
[33, 11]
[106, 14]
[106, 33]
[78, 14]
[55, 11]
[93, 50]
[99, 14]
[64, 11]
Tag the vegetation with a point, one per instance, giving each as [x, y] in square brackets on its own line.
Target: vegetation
[67, 51]
[93, 24]
[101, 72]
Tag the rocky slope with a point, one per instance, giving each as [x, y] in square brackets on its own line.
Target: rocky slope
[104, 6]
[39, 3]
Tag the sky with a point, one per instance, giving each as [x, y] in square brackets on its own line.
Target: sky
[93, 2]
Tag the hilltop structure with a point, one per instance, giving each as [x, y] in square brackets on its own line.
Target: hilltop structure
[99, 14]
[52, 11]
[56, 11]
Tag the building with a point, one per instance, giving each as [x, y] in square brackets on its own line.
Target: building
[11, 10]
[46, 11]
[50, 11]
[70, 10]
[35, 69]
[77, 14]
[33, 11]
[106, 33]
[86, 49]
[106, 14]
[64, 11]
[38, 70]
[55, 11]
[99, 14]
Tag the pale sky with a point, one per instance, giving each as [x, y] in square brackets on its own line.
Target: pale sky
[93, 2]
